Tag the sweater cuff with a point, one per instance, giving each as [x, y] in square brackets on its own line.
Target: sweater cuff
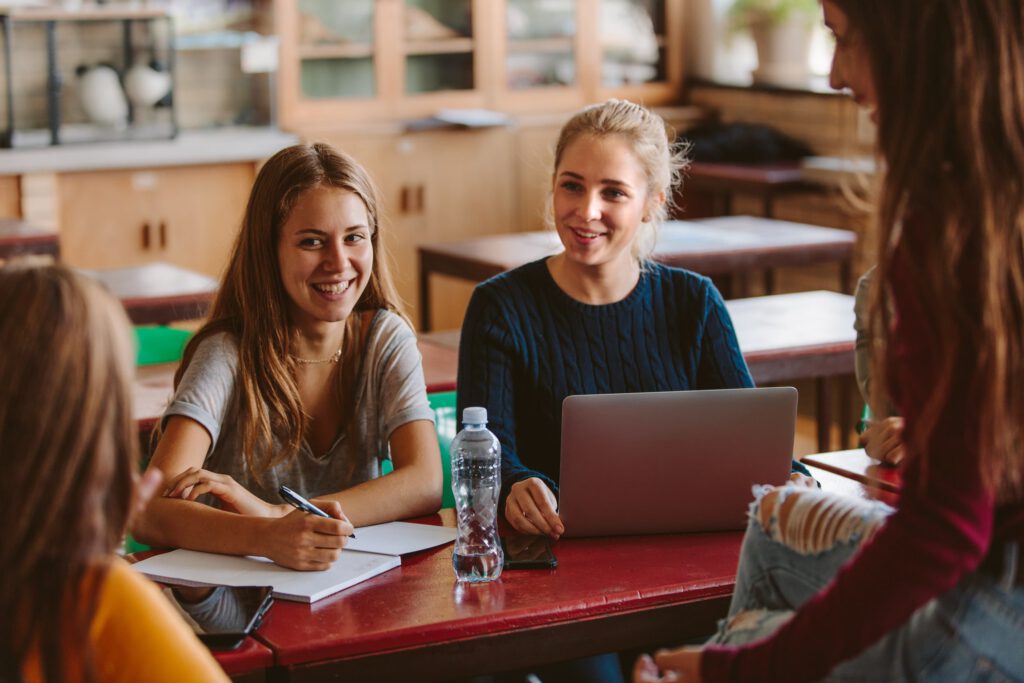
[717, 663]
[518, 476]
[800, 468]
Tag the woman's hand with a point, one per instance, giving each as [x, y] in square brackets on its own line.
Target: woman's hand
[194, 482]
[799, 479]
[681, 665]
[882, 439]
[531, 508]
[308, 542]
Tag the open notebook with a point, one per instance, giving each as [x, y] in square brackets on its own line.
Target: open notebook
[377, 549]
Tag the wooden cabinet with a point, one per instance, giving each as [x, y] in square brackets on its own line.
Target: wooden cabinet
[437, 186]
[10, 202]
[368, 60]
[373, 59]
[186, 215]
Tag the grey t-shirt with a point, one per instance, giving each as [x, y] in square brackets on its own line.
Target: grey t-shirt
[389, 392]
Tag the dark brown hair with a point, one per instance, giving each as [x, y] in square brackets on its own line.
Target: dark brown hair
[252, 304]
[69, 450]
[949, 76]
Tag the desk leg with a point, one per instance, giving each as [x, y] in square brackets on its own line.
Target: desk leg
[845, 411]
[726, 285]
[846, 276]
[741, 286]
[824, 414]
[424, 297]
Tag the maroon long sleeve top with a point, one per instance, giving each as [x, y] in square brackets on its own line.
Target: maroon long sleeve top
[944, 526]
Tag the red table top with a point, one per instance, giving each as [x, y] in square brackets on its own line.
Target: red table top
[420, 603]
[248, 657]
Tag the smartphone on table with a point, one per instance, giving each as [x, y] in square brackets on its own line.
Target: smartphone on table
[222, 616]
[528, 552]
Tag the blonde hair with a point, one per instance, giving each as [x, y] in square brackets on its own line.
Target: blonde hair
[648, 139]
[252, 304]
[69, 451]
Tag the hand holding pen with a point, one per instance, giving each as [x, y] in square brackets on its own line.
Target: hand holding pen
[298, 501]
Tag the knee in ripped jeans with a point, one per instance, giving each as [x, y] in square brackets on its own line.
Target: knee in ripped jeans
[812, 521]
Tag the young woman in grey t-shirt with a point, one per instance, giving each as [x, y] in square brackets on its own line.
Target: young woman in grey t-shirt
[305, 374]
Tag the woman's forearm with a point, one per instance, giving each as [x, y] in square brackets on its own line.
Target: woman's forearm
[186, 524]
[410, 491]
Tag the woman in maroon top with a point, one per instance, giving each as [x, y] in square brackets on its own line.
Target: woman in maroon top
[839, 589]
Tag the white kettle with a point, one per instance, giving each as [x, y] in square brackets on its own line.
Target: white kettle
[99, 90]
[146, 85]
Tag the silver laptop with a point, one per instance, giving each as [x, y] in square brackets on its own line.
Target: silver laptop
[673, 461]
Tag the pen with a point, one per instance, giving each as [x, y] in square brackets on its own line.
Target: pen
[301, 503]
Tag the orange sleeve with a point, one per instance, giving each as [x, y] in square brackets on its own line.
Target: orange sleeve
[138, 636]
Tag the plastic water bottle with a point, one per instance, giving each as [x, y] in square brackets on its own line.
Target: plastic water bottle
[476, 482]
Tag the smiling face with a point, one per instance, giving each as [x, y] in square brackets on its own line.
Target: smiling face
[851, 68]
[600, 200]
[325, 255]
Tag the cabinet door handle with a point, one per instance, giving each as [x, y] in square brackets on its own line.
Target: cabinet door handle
[145, 235]
[419, 198]
[403, 199]
[163, 235]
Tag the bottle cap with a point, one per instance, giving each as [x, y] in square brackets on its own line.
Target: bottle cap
[474, 416]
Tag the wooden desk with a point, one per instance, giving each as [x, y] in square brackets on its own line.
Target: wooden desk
[607, 594]
[766, 181]
[806, 335]
[783, 337]
[154, 384]
[18, 238]
[159, 293]
[715, 246]
[417, 623]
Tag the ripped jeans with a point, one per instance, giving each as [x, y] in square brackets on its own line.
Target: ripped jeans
[796, 541]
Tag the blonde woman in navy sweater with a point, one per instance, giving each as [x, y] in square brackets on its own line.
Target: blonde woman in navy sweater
[597, 318]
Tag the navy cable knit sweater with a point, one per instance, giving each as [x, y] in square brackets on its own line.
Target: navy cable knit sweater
[526, 345]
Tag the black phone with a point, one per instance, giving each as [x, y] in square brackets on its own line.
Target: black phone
[222, 616]
[528, 552]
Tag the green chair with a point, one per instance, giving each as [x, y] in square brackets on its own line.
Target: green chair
[443, 403]
[156, 344]
[159, 344]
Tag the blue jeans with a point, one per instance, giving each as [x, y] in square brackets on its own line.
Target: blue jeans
[974, 632]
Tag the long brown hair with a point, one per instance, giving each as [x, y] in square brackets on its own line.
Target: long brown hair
[949, 76]
[69, 450]
[252, 304]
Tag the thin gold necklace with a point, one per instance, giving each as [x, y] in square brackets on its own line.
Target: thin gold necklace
[333, 358]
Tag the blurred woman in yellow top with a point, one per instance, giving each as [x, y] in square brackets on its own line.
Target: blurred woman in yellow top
[73, 611]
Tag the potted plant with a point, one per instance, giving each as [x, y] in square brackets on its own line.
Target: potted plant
[781, 30]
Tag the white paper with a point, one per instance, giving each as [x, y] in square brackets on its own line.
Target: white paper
[190, 567]
[400, 538]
